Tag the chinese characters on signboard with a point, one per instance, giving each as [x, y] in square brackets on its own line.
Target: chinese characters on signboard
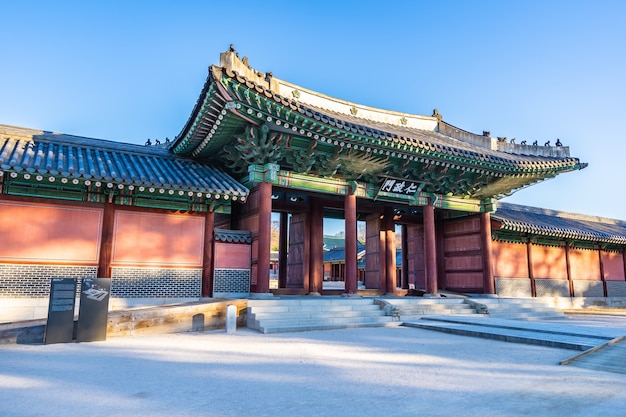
[392, 185]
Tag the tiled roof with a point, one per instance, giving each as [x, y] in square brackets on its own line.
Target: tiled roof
[209, 116]
[558, 224]
[309, 133]
[27, 151]
[232, 236]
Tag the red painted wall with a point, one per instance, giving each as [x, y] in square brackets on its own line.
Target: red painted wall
[549, 262]
[584, 264]
[158, 239]
[49, 233]
[232, 256]
[510, 260]
[613, 265]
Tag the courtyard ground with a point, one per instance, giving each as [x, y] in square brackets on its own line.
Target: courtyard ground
[394, 371]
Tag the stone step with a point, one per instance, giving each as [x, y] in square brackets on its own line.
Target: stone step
[543, 334]
[525, 315]
[417, 316]
[434, 307]
[314, 308]
[263, 315]
[305, 301]
[324, 320]
[306, 328]
[423, 301]
[301, 314]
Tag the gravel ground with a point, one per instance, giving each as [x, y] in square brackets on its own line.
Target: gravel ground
[355, 372]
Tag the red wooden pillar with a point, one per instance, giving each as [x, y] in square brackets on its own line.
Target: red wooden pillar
[350, 245]
[282, 250]
[485, 236]
[390, 251]
[106, 241]
[405, 258]
[569, 271]
[207, 254]
[531, 273]
[602, 272]
[430, 249]
[264, 238]
[316, 258]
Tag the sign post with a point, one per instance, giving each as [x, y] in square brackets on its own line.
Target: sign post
[60, 324]
[93, 310]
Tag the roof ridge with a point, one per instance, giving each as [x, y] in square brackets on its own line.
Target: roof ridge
[564, 214]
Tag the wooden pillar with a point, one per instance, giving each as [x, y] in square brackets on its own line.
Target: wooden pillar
[606, 293]
[442, 278]
[569, 272]
[264, 238]
[207, 254]
[390, 251]
[316, 258]
[405, 258]
[351, 270]
[531, 273]
[282, 250]
[106, 241]
[430, 249]
[485, 236]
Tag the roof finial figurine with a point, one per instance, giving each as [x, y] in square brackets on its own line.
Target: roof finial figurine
[547, 143]
[558, 142]
[523, 142]
[167, 140]
[437, 115]
[513, 141]
[231, 48]
[148, 142]
[157, 142]
[535, 143]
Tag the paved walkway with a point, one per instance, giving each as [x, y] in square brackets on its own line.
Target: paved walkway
[367, 372]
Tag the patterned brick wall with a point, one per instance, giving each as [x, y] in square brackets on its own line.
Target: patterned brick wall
[552, 288]
[33, 281]
[588, 288]
[130, 282]
[231, 281]
[616, 288]
[513, 287]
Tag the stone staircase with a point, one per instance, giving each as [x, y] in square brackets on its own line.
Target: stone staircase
[412, 308]
[296, 314]
[320, 313]
[517, 308]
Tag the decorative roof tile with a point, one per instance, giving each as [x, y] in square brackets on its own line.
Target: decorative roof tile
[46, 153]
[232, 236]
[559, 224]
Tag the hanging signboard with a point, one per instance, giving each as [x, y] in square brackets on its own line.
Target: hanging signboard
[93, 310]
[60, 323]
[397, 186]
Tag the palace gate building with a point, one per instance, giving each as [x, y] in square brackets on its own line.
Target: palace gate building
[192, 217]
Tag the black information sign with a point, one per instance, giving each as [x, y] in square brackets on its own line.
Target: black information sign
[94, 309]
[60, 324]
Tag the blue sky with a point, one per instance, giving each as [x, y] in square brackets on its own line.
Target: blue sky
[534, 70]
